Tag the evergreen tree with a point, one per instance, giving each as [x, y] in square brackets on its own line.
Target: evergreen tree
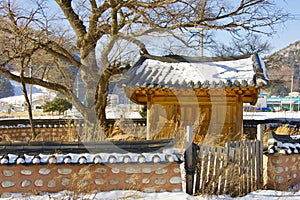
[58, 104]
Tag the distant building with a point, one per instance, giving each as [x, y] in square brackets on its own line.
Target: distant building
[275, 103]
[287, 103]
[294, 94]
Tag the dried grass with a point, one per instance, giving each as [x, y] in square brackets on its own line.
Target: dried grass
[205, 137]
[123, 130]
[5, 137]
[286, 129]
[72, 134]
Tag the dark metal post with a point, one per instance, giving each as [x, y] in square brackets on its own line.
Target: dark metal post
[260, 135]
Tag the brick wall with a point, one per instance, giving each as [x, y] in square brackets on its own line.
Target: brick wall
[282, 172]
[147, 177]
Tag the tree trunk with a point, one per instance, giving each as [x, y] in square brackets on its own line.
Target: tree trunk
[101, 100]
[29, 108]
[91, 131]
[90, 78]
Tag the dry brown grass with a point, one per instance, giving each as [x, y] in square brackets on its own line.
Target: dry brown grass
[287, 130]
[23, 114]
[129, 131]
[208, 138]
[5, 137]
[72, 133]
[126, 131]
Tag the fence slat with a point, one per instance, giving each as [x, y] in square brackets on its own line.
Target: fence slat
[223, 167]
[248, 159]
[220, 171]
[253, 166]
[217, 169]
[199, 171]
[257, 159]
[245, 167]
[232, 180]
[205, 169]
[260, 164]
[211, 169]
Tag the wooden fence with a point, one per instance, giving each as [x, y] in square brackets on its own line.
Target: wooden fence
[235, 169]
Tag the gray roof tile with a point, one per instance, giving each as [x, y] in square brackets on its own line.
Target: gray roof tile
[209, 73]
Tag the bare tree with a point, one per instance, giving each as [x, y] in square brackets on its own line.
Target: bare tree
[252, 43]
[107, 35]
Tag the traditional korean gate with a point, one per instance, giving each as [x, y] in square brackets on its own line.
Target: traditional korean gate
[235, 169]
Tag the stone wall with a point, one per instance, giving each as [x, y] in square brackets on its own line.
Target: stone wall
[282, 172]
[147, 177]
[44, 133]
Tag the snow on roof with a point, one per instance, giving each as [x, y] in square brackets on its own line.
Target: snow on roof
[156, 73]
[168, 155]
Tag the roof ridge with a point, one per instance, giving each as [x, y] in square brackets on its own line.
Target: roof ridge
[180, 58]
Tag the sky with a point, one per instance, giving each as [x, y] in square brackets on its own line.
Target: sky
[289, 32]
[286, 33]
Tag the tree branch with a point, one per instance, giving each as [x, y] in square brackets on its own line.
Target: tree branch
[73, 19]
[35, 81]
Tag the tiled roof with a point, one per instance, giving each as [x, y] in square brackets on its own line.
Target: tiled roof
[86, 158]
[183, 72]
[283, 144]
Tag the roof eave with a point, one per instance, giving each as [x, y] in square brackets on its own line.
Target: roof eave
[260, 78]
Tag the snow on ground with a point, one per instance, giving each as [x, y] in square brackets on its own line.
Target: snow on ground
[19, 100]
[130, 194]
[290, 116]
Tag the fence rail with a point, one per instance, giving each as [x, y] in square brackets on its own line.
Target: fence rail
[235, 169]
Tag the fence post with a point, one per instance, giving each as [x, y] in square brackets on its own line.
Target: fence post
[190, 162]
[260, 132]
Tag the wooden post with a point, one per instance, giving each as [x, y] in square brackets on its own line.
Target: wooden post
[260, 132]
[149, 105]
[239, 115]
[260, 135]
[190, 166]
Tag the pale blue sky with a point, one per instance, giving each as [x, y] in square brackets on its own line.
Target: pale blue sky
[289, 32]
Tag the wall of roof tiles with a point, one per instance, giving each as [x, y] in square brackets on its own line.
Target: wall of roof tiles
[86, 178]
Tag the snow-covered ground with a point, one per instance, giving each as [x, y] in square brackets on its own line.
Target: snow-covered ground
[19, 100]
[289, 116]
[130, 194]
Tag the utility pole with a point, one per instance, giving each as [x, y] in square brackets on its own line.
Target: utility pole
[292, 83]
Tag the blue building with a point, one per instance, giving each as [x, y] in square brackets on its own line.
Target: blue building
[277, 103]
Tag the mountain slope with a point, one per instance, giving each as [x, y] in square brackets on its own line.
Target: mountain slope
[282, 66]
